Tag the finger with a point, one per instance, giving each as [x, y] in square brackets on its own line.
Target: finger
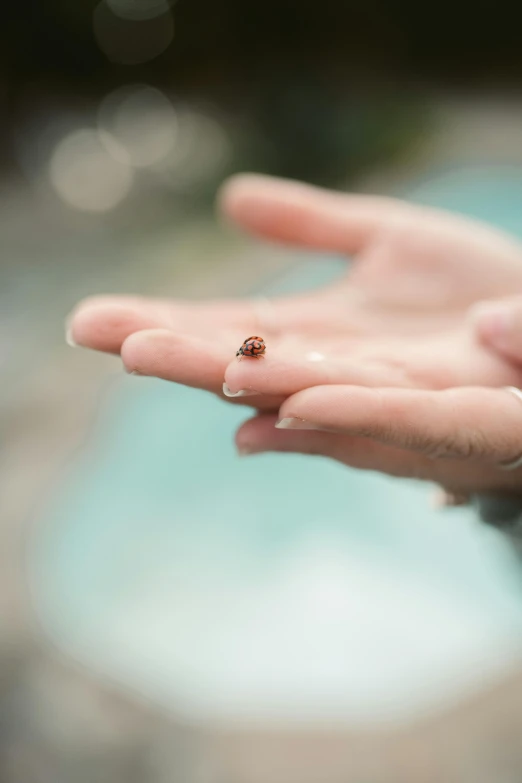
[287, 369]
[187, 360]
[436, 363]
[202, 363]
[499, 325]
[299, 214]
[258, 435]
[103, 323]
[465, 423]
[191, 361]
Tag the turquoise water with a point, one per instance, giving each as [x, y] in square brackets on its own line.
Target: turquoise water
[330, 594]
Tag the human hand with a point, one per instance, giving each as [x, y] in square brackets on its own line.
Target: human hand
[465, 439]
[498, 325]
[396, 319]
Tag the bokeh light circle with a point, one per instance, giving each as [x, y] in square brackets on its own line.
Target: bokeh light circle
[143, 121]
[139, 9]
[86, 175]
[202, 151]
[131, 41]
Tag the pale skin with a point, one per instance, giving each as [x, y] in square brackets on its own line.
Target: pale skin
[390, 369]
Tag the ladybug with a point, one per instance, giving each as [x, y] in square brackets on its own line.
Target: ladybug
[253, 347]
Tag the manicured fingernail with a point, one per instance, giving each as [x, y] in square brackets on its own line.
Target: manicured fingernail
[493, 320]
[241, 393]
[292, 423]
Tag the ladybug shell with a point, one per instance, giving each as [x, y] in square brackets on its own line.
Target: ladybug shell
[253, 346]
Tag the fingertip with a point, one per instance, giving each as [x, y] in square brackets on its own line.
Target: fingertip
[259, 434]
[242, 186]
[492, 320]
[101, 323]
[325, 406]
[499, 326]
[244, 378]
[304, 400]
[233, 194]
[140, 349]
[253, 434]
[268, 206]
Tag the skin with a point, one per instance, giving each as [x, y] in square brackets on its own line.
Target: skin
[498, 324]
[389, 369]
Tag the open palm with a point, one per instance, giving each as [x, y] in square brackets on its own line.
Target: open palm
[396, 319]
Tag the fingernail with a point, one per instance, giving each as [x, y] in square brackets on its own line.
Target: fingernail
[246, 451]
[131, 372]
[69, 339]
[494, 321]
[241, 393]
[441, 499]
[292, 423]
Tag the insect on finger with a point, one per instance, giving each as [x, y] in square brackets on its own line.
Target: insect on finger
[252, 348]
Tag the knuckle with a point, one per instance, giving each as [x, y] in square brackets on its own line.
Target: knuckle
[463, 444]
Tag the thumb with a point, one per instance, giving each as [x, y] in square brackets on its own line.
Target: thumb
[498, 324]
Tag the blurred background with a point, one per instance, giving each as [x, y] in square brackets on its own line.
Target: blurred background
[148, 633]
